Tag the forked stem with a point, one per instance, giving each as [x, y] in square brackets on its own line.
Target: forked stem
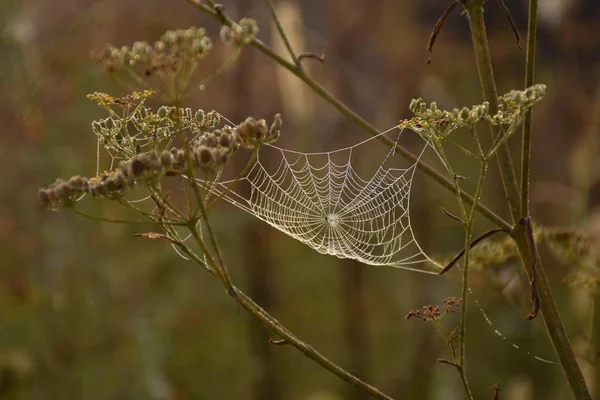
[275, 326]
[550, 312]
[351, 115]
[468, 218]
[284, 36]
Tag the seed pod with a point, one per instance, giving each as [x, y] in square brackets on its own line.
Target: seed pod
[101, 189]
[414, 103]
[464, 113]
[179, 159]
[261, 129]
[275, 130]
[78, 183]
[62, 191]
[235, 144]
[153, 161]
[43, 198]
[120, 179]
[159, 46]
[225, 140]
[210, 140]
[220, 157]
[111, 185]
[92, 190]
[124, 169]
[163, 112]
[530, 93]
[165, 159]
[212, 120]
[135, 168]
[205, 156]
[51, 195]
[199, 116]
[226, 34]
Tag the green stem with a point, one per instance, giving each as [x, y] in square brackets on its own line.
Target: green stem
[549, 309]
[529, 78]
[469, 221]
[596, 338]
[284, 37]
[552, 319]
[352, 116]
[465, 278]
[474, 10]
[277, 328]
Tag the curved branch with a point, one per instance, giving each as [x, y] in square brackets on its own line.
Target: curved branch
[289, 338]
[351, 115]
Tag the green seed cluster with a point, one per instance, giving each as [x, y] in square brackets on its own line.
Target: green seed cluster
[241, 33]
[432, 122]
[150, 128]
[513, 104]
[209, 152]
[174, 50]
[464, 116]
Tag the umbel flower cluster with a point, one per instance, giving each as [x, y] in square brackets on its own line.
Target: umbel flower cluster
[175, 50]
[208, 153]
[432, 122]
[241, 33]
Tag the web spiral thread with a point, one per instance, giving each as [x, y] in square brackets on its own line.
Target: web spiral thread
[331, 208]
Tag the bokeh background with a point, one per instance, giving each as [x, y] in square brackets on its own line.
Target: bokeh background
[89, 312]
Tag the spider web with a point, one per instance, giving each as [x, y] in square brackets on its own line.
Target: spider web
[321, 200]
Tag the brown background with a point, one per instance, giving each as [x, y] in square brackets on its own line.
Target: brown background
[89, 312]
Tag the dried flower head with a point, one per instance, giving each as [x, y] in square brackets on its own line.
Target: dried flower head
[433, 312]
[433, 123]
[253, 133]
[239, 34]
[138, 139]
[175, 50]
[450, 304]
[426, 313]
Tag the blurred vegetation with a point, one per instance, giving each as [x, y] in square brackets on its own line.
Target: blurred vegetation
[89, 312]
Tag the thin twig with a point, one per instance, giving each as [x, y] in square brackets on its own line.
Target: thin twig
[315, 56]
[552, 319]
[483, 59]
[535, 298]
[511, 21]
[438, 27]
[351, 115]
[474, 243]
[496, 389]
[452, 216]
[284, 37]
[468, 226]
[277, 328]
[448, 362]
[529, 79]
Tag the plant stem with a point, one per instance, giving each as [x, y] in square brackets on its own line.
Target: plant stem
[469, 219]
[353, 117]
[596, 338]
[277, 328]
[529, 78]
[282, 33]
[474, 10]
[549, 309]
